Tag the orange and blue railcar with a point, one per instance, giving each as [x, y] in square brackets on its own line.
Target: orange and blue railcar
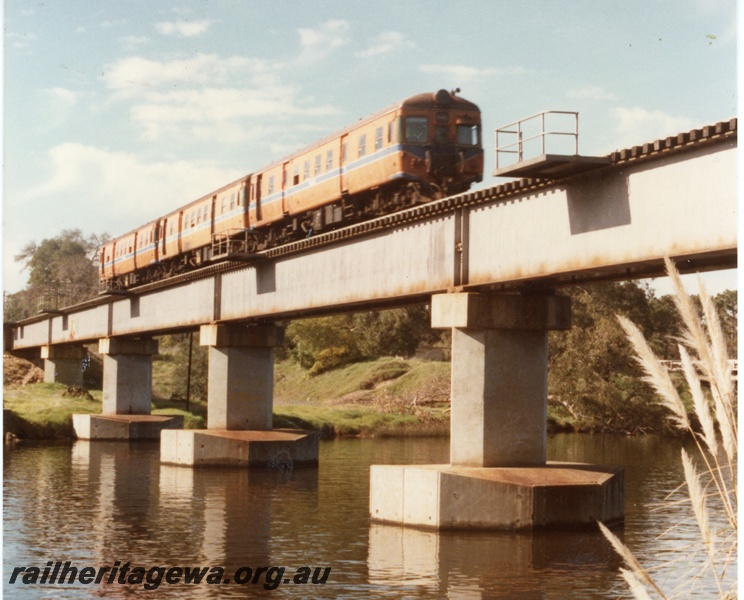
[425, 147]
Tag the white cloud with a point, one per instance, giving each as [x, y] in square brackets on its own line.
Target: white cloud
[97, 191]
[217, 113]
[191, 97]
[592, 92]
[133, 41]
[60, 106]
[319, 43]
[19, 40]
[114, 191]
[638, 125]
[63, 96]
[183, 28]
[466, 72]
[387, 41]
[137, 72]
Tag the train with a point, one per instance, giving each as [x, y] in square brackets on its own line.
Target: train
[423, 148]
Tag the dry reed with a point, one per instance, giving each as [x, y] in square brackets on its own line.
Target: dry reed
[712, 492]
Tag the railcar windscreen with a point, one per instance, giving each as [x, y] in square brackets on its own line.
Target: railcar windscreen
[467, 135]
[417, 129]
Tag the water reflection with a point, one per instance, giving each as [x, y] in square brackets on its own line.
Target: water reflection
[487, 565]
[96, 503]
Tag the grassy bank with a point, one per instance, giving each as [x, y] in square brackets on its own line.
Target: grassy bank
[44, 410]
[384, 397]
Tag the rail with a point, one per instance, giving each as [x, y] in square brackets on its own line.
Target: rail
[524, 126]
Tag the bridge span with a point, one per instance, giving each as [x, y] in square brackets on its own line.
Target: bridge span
[489, 261]
[615, 222]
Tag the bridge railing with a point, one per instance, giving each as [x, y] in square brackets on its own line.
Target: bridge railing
[534, 134]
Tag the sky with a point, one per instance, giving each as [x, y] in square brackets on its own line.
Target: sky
[117, 112]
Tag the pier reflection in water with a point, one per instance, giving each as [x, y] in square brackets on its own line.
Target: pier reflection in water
[97, 503]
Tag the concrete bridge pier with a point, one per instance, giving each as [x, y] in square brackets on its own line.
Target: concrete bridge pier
[240, 407]
[127, 394]
[64, 364]
[498, 476]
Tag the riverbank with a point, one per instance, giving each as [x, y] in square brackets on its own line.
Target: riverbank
[386, 397]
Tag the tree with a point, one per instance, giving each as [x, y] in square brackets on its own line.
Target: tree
[395, 332]
[324, 343]
[62, 271]
[592, 373]
[727, 307]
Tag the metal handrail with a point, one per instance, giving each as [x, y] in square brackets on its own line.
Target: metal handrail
[542, 135]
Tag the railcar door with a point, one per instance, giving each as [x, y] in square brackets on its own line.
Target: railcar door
[180, 231]
[285, 207]
[163, 229]
[156, 242]
[135, 257]
[212, 216]
[257, 196]
[343, 187]
[245, 198]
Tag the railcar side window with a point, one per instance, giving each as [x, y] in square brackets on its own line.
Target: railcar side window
[362, 145]
[417, 129]
[378, 138]
[467, 135]
[306, 171]
[296, 177]
[317, 164]
[329, 160]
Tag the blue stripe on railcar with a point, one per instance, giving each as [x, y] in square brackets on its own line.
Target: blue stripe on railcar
[348, 168]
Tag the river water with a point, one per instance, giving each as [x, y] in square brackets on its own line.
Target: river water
[97, 503]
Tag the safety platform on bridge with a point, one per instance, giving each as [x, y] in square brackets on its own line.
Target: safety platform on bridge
[543, 146]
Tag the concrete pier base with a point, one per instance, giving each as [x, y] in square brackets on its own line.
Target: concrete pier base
[498, 477]
[446, 497]
[240, 408]
[123, 427]
[278, 448]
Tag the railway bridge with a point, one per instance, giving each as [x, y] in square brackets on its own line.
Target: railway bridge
[490, 262]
